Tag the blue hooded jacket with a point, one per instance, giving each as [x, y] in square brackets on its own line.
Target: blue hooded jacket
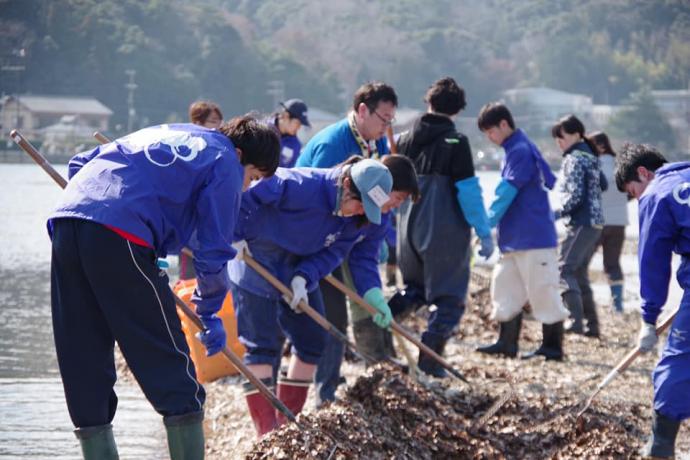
[528, 222]
[664, 229]
[162, 184]
[291, 225]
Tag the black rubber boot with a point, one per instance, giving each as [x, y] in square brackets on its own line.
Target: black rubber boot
[663, 440]
[97, 442]
[508, 335]
[552, 343]
[589, 309]
[388, 343]
[391, 273]
[371, 339]
[185, 436]
[617, 297]
[426, 363]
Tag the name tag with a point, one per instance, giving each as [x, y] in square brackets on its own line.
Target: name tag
[378, 196]
[287, 153]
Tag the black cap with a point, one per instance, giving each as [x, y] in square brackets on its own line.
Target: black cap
[298, 109]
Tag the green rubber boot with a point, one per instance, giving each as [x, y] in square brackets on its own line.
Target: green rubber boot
[185, 436]
[663, 440]
[97, 442]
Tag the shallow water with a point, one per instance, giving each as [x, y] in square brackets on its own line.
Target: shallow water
[34, 422]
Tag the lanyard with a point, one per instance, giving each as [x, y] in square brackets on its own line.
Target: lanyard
[368, 149]
[339, 192]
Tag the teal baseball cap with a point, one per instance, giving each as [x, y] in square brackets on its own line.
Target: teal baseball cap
[374, 182]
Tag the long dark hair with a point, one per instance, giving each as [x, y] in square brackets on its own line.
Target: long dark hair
[570, 124]
[600, 139]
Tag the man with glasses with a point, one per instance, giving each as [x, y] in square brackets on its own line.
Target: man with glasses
[362, 132]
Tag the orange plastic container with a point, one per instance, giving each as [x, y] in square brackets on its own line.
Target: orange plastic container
[211, 368]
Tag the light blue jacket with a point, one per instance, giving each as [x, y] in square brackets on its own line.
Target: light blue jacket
[333, 145]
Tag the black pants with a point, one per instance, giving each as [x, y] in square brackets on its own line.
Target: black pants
[327, 377]
[106, 289]
[334, 301]
[611, 241]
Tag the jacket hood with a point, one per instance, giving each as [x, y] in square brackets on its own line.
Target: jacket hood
[427, 129]
[582, 146]
[518, 137]
[672, 167]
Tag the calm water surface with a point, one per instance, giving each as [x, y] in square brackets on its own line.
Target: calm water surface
[34, 422]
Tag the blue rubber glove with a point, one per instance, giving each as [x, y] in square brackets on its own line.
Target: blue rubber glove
[505, 194]
[213, 336]
[472, 205]
[487, 246]
[374, 297]
[162, 263]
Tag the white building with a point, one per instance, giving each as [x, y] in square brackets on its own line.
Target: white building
[30, 114]
[675, 105]
[544, 106]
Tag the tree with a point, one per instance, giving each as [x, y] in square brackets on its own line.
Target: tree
[642, 122]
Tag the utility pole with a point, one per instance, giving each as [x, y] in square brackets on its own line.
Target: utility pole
[14, 64]
[131, 112]
[276, 88]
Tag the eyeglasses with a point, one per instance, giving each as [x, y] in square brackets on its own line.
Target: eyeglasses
[383, 120]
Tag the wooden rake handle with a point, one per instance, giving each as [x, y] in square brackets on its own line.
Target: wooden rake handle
[396, 327]
[634, 353]
[193, 317]
[625, 363]
[101, 137]
[37, 157]
[305, 307]
[237, 362]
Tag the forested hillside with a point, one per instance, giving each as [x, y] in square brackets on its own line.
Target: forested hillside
[230, 50]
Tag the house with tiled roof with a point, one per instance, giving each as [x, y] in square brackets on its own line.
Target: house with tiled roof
[32, 113]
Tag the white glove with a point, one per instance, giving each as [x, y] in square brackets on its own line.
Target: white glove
[648, 337]
[299, 292]
[242, 248]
